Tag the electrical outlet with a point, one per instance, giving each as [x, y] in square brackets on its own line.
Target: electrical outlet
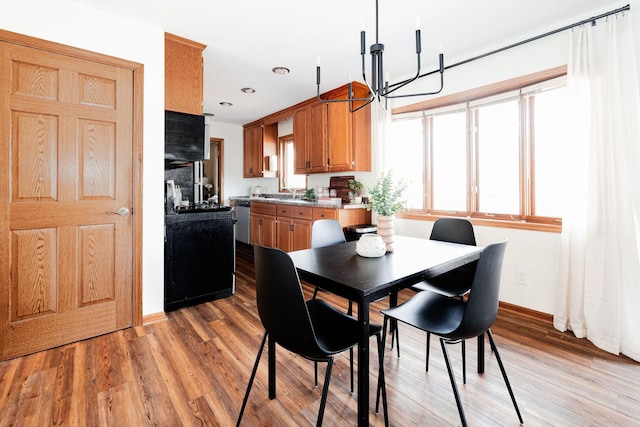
[521, 276]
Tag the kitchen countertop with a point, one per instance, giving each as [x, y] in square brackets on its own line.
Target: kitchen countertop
[299, 202]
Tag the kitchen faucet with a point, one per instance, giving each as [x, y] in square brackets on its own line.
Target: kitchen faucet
[292, 191]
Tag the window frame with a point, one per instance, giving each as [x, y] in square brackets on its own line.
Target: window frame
[525, 85]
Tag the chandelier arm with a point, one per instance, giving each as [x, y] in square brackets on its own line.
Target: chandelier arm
[351, 110]
[350, 99]
[422, 94]
[403, 83]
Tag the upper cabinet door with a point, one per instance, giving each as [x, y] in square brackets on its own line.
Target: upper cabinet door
[183, 74]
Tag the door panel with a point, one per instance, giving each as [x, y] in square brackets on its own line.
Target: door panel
[66, 130]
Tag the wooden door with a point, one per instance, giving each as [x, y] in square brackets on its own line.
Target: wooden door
[340, 143]
[66, 142]
[183, 74]
[284, 228]
[301, 140]
[269, 231]
[317, 147]
[252, 151]
[255, 229]
[301, 234]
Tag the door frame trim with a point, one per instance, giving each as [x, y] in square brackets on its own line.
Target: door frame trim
[137, 108]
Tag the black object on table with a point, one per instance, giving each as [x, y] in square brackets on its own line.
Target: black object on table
[340, 270]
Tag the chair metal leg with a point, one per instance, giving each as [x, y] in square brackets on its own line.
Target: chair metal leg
[464, 363]
[315, 372]
[504, 374]
[382, 385]
[426, 363]
[395, 335]
[325, 392]
[315, 293]
[452, 378]
[253, 376]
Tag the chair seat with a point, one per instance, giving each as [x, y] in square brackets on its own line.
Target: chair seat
[431, 312]
[335, 331]
[454, 283]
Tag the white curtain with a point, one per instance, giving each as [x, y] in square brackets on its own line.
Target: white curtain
[599, 275]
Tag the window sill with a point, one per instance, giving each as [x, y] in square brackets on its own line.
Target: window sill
[520, 225]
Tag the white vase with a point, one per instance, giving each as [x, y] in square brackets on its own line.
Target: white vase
[370, 246]
[385, 230]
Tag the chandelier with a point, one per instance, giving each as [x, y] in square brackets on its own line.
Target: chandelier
[379, 86]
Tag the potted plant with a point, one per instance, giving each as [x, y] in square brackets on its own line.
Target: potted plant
[356, 189]
[386, 199]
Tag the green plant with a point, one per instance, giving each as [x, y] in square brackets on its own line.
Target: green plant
[386, 195]
[355, 186]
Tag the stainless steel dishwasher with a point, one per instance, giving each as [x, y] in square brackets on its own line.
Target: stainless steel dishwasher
[243, 210]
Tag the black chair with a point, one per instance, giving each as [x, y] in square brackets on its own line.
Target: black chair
[326, 232]
[454, 319]
[452, 283]
[312, 329]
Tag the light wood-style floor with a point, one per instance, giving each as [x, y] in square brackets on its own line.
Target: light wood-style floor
[192, 370]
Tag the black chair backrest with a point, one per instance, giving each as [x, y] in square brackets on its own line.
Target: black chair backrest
[481, 308]
[281, 305]
[454, 230]
[326, 232]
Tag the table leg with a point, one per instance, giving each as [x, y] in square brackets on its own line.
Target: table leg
[272, 368]
[363, 364]
[481, 353]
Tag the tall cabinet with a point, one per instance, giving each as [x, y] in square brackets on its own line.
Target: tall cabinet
[329, 138]
[260, 142]
[183, 74]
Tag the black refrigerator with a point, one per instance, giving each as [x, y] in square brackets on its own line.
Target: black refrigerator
[199, 258]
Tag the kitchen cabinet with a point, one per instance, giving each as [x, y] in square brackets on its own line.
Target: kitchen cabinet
[310, 138]
[260, 142]
[288, 226]
[183, 74]
[329, 138]
[263, 224]
[345, 217]
[293, 227]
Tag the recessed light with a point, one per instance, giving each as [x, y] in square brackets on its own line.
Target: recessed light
[280, 70]
[248, 90]
[226, 104]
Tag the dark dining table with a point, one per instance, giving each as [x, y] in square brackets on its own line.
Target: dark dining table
[340, 270]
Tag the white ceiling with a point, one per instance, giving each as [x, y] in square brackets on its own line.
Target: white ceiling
[246, 38]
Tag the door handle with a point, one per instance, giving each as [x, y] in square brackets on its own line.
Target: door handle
[122, 212]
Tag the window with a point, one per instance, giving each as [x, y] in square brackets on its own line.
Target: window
[288, 178]
[493, 157]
